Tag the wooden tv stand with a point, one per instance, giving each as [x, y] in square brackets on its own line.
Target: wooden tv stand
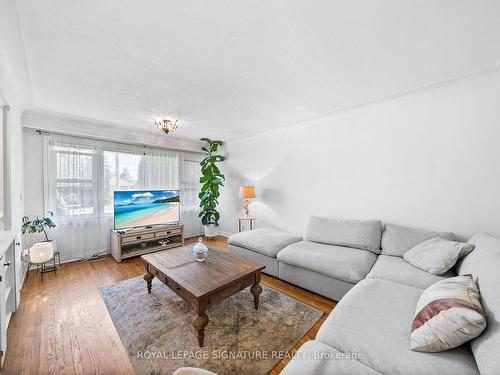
[133, 242]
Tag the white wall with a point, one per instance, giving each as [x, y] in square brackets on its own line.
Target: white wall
[429, 159]
[15, 87]
[33, 172]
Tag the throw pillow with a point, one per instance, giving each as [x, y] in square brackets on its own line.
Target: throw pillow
[437, 255]
[448, 314]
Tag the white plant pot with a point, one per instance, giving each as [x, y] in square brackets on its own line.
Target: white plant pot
[211, 230]
[54, 244]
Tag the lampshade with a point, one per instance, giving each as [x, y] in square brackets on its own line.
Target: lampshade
[247, 192]
[41, 252]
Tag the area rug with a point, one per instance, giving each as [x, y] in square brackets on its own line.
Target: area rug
[156, 329]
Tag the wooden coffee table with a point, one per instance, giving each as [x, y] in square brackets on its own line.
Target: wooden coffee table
[203, 284]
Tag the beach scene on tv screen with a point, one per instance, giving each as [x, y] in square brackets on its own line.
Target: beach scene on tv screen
[143, 208]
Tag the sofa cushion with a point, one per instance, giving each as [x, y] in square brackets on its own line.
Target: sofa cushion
[374, 318]
[316, 282]
[315, 357]
[397, 240]
[270, 263]
[483, 263]
[343, 263]
[350, 233]
[397, 269]
[266, 241]
[437, 255]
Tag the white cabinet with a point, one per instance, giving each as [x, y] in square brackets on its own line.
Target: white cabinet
[8, 287]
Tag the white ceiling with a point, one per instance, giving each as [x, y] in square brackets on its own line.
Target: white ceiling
[228, 68]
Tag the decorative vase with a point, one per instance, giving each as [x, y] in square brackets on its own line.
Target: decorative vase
[211, 230]
[200, 251]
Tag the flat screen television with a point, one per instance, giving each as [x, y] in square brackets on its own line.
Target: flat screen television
[146, 208]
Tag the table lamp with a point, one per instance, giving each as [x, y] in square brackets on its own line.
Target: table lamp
[247, 192]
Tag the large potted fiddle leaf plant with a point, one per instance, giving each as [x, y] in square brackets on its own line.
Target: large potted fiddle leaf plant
[211, 179]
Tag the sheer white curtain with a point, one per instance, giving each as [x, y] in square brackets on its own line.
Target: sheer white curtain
[123, 170]
[161, 169]
[72, 192]
[190, 172]
[81, 176]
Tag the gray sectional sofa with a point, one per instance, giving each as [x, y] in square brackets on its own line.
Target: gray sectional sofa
[334, 255]
[361, 265]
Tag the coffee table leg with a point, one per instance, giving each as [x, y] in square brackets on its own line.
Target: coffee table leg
[199, 323]
[256, 290]
[149, 279]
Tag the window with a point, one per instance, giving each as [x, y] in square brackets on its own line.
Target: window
[122, 171]
[161, 169]
[81, 175]
[190, 182]
[73, 187]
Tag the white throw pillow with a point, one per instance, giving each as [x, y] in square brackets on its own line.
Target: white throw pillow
[448, 314]
[437, 255]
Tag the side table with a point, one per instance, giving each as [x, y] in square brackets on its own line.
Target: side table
[251, 219]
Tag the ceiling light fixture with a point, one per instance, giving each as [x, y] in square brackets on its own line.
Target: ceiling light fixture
[166, 125]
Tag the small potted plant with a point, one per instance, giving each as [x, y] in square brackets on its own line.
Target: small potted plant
[36, 224]
[211, 179]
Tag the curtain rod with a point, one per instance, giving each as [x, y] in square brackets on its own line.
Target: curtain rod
[103, 139]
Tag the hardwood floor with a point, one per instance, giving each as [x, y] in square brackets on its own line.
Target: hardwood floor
[63, 327]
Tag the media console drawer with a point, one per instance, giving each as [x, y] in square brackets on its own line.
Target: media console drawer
[137, 237]
[164, 233]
